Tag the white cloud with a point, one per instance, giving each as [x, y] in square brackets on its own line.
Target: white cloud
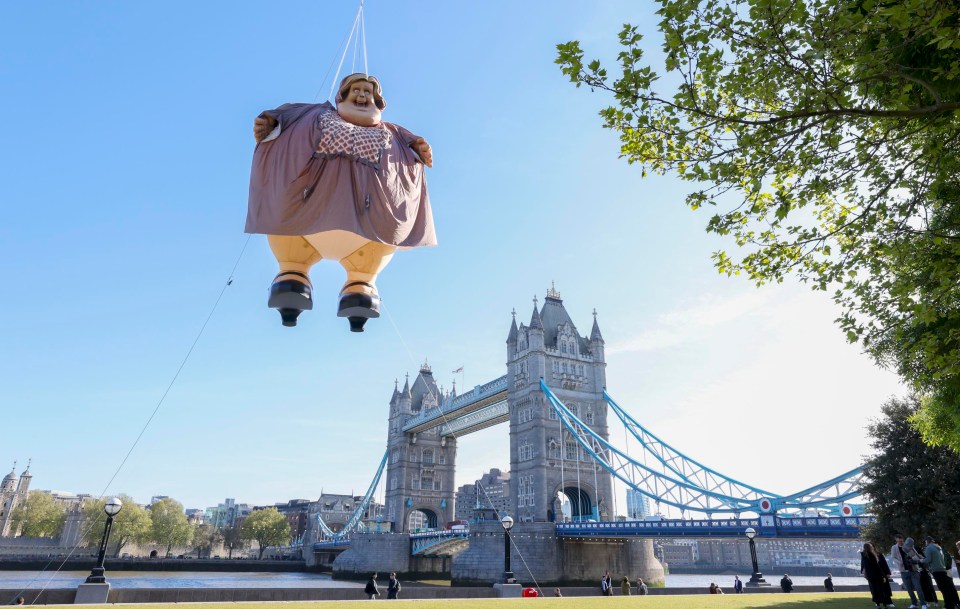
[674, 328]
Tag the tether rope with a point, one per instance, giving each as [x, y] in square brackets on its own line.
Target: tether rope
[133, 446]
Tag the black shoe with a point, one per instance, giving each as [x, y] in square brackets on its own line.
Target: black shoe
[358, 308]
[291, 296]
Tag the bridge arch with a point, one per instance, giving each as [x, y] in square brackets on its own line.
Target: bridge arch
[578, 503]
[422, 518]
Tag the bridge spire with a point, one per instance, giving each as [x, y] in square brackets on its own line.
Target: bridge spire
[535, 321]
[595, 335]
[512, 335]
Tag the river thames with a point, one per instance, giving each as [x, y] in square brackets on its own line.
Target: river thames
[179, 579]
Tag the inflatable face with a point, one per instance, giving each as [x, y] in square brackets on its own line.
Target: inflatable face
[358, 107]
[360, 100]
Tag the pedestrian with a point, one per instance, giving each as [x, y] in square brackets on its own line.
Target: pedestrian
[605, 584]
[371, 588]
[828, 583]
[625, 586]
[393, 587]
[556, 592]
[737, 585]
[786, 584]
[909, 572]
[641, 587]
[936, 560]
[926, 582]
[20, 600]
[874, 568]
[713, 588]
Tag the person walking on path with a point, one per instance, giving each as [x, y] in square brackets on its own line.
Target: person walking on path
[828, 583]
[786, 584]
[737, 585]
[393, 587]
[874, 568]
[641, 587]
[371, 588]
[605, 585]
[909, 572]
[556, 592]
[936, 560]
[625, 586]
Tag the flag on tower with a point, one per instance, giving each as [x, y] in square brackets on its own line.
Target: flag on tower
[458, 370]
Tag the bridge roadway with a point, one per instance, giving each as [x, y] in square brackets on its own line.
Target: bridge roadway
[481, 407]
[767, 526]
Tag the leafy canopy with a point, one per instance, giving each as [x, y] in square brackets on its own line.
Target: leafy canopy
[825, 136]
[168, 524]
[131, 525]
[268, 527]
[914, 488]
[39, 515]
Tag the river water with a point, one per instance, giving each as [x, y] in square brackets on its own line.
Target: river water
[179, 579]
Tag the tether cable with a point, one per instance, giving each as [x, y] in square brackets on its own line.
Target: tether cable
[136, 441]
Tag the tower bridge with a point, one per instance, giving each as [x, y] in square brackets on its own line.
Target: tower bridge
[554, 400]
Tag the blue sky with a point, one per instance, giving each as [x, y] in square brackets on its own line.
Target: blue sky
[125, 175]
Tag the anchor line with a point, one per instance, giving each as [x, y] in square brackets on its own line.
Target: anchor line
[136, 441]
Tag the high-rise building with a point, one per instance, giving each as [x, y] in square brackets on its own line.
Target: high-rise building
[638, 505]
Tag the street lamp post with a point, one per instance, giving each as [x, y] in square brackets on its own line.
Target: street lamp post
[112, 508]
[507, 523]
[756, 578]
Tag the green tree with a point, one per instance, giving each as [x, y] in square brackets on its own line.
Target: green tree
[825, 136]
[204, 538]
[914, 488]
[233, 539]
[39, 515]
[169, 524]
[131, 525]
[268, 527]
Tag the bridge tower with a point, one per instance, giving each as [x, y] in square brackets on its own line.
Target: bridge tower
[544, 459]
[420, 470]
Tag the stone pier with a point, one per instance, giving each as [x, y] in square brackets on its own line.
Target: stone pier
[537, 554]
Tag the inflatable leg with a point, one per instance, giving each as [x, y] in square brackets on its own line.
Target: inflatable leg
[291, 291]
[359, 300]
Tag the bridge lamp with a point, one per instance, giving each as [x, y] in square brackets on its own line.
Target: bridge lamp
[507, 524]
[756, 579]
[112, 508]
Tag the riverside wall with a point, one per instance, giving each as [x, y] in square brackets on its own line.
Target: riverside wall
[231, 595]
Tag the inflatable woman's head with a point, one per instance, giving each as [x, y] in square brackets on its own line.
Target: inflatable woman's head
[360, 100]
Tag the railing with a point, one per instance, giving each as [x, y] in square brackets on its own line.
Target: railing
[422, 541]
[830, 527]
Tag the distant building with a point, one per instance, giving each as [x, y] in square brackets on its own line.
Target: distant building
[488, 497]
[638, 505]
[13, 491]
[227, 514]
[157, 498]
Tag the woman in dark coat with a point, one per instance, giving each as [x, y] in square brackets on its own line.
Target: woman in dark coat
[872, 567]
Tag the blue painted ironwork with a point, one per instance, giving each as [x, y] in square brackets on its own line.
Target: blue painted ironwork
[680, 492]
[477, 398]
[356, 518]
[820, 527]
[690, 470]
[435, 541]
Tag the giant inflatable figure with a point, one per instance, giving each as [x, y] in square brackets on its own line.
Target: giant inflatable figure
[337, 184]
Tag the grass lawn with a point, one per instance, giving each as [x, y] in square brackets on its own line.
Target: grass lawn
[839, 600]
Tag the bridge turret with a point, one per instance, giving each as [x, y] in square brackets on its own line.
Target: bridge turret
[596, 340]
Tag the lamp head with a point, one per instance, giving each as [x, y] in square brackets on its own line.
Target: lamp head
[113, 507]
[750, 533]
[507, 523]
